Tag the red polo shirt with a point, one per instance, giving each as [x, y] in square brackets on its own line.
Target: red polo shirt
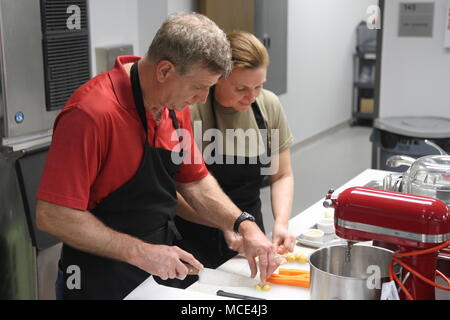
[98, 140]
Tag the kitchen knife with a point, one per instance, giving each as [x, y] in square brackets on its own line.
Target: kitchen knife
[223, 278]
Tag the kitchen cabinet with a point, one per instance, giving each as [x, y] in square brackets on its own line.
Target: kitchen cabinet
[226, 16]
[18, 267]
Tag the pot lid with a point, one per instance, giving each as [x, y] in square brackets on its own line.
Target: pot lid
[418, 127]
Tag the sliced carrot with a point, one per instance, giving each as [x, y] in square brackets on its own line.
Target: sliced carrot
[299, 276]
[290, 280]
[292, 272]
[291, 277]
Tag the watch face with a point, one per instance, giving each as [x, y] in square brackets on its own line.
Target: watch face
[248, 216]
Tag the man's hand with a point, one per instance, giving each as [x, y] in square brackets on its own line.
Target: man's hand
[84, 231]
[205, 196]
[234, 241]
[257, 245]
[166, 262]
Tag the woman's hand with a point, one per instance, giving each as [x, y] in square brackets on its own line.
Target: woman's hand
[283, 240]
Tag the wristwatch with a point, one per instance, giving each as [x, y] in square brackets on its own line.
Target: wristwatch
[244, 216]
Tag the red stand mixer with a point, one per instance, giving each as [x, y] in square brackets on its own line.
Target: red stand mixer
[418, 225]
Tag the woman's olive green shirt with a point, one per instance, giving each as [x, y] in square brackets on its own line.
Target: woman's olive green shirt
[238, 130]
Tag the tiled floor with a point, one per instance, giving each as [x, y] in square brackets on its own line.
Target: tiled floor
[324, 162]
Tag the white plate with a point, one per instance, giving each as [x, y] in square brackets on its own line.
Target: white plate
[318, 244]
[328, 239]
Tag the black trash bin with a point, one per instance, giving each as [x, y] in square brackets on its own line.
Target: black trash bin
[406, 136]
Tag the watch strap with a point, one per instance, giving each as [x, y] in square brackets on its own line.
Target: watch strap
[244, 216]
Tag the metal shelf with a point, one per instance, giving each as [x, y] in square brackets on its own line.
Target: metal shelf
[367, 56]
[364, 115]
[363, 87]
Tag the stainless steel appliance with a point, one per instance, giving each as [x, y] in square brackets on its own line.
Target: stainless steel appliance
[44, 57]
[43, 60]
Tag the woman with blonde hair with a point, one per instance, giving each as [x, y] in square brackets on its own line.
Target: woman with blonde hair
[238, 106]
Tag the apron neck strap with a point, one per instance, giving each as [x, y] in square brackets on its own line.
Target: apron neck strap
[139, 100]
[258, 116]
[173, 116]
[261, 125]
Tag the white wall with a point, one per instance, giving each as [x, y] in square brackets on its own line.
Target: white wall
[321, 41]
[178, 6]
[151, 14]
[116, 22]
[112, 22]
[415, 72]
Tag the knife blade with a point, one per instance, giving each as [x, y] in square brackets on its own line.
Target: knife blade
[223, 278]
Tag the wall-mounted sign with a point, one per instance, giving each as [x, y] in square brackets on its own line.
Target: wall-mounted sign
[416, 19]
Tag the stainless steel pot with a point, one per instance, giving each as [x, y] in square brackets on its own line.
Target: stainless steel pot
[333, 277]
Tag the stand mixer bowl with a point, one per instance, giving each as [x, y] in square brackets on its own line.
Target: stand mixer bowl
[333, 277]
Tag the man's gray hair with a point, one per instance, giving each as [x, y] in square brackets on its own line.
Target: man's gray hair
[188, 39]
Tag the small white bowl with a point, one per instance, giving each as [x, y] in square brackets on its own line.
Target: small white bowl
[326, 225]
[313, 235]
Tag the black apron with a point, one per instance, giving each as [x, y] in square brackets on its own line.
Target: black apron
[143, 207]
[242, 183]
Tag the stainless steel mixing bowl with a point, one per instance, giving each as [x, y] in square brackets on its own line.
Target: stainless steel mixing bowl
[360, 278]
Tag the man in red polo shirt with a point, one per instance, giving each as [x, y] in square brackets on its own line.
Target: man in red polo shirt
[109, 185]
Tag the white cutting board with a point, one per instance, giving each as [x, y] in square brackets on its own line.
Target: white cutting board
[239, 265]
[151, 290]
[277, 292]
